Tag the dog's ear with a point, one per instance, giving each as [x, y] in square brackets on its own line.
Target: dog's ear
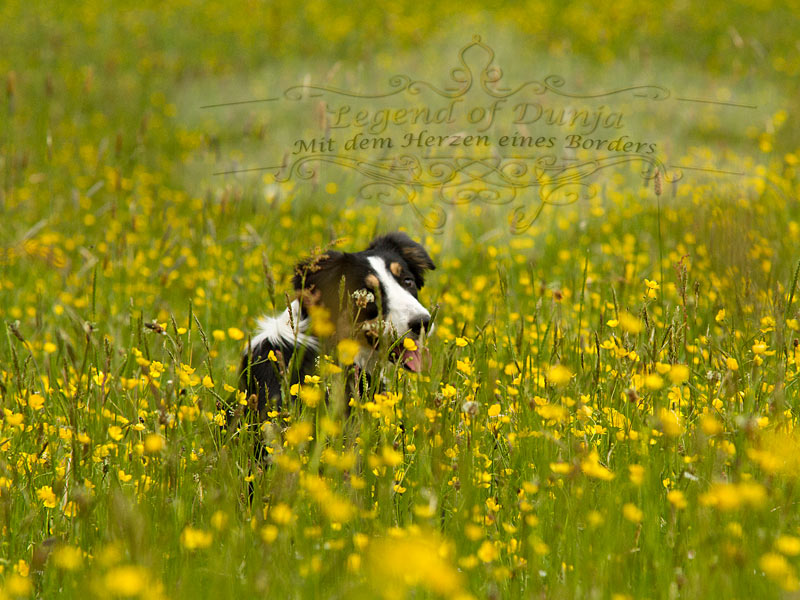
[413, 253]
[319, 272]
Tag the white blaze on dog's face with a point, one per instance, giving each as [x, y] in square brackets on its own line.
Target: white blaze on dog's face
[399, 264]
[401, 309]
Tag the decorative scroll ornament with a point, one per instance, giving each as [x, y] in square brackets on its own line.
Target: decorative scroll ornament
[526, 184]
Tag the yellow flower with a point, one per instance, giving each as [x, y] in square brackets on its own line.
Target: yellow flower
[126, 581]
[720, 316]
[710, 425]
[409, 344]
[730, 496]
[677, 499]
[558, 375]
[337, 510]
[310, 395]
[488, 551]
[22, 567]
[473, 532]
[347, 351]
[409, 560]
[16, 586]
[153, 443]
[632, 513]
[208, 382]
[391, 457]
[298, 433]
[13, 419]
[561, 468]
[465, 366]
[679, 374]
[461, 342]
[269, 533]
[595, 518]
[670, 422]
[653, 382]
[235, 333]
[777, 568]
[353, 563]
[47, 496]
[281, 514]
[448, 391]
[591, 466]
[49, 347]
[360, 540]
[788, 545]
[115, 432]
[732, 363]
[67, 558]
[539, 547]
[195, 539]
[219, 520]
[36, 402]
[630, 323]
[123, 476]
[321, 324]
[494, 410]
[636, 474]
[218, 335]
[70, 509]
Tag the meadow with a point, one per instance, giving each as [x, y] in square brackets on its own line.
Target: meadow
[611, 406]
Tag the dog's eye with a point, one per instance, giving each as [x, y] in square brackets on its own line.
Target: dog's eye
[409, 283]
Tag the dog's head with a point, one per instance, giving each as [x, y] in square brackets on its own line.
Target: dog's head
[372, 295]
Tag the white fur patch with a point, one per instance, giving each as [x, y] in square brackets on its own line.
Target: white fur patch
[279, 330]
[403, 307]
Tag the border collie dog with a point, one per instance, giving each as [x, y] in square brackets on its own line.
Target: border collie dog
[368, 296]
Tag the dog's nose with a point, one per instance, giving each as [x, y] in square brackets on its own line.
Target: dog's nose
[419, 324]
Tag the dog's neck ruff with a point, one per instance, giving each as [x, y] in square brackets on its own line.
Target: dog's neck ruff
[287, 328]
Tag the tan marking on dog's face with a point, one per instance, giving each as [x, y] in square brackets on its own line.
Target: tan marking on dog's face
[396, 268]
[372, 281]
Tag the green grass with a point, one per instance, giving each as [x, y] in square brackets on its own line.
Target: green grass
[130, 278]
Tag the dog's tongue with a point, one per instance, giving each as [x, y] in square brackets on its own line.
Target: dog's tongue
[417, 359]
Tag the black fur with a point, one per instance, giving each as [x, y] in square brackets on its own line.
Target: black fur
[261, 376]
[413, 254]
